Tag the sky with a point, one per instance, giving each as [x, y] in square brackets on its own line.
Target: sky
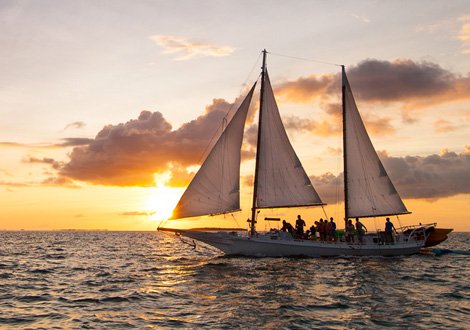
[107, 107]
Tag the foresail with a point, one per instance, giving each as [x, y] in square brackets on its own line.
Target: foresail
[215, 189]
[282, 181]
[370, 192]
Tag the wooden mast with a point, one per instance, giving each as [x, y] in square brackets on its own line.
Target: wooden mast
[255, 189]
[345, 173]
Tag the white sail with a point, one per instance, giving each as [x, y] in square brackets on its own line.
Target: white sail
[370, 192]
[215, 189]
[282, 181]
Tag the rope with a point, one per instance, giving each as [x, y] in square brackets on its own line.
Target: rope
[224, 120]
[305, 59]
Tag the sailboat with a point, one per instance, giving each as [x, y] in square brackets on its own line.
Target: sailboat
[280, 181]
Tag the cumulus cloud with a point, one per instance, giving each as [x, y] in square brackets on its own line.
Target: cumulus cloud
[130, 153]
[186, 49]
[430, 177]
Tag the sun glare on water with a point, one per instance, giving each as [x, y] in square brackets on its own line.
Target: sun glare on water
[162, 199]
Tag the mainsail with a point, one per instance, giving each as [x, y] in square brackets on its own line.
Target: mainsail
[282, 181]
[215, 189]
[369, 190]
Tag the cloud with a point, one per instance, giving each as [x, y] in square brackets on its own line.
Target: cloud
[186, 49]
[409, 84]
[430, 177]
[67, 142]
[128, 154]
[49, 182]
[444, 126]
[306, 89]
[137, 213]
[75, 125]
[363, 19]
[49, 161]
[72, 142]
[464, 34]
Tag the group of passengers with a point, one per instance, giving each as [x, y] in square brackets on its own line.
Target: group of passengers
[322, 230]
[325, 230]
[351, 229]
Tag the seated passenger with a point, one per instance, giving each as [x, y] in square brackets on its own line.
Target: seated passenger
[287, 227]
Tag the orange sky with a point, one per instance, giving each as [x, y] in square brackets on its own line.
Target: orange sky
[105, 116]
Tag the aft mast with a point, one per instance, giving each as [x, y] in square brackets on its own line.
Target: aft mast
[258, 143]
[345, 172]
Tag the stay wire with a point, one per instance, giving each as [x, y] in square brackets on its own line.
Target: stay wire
[305, 59]
[224, 120]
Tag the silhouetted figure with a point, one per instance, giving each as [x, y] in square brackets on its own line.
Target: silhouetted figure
[299, 226]
[389, 228]
[321, 230]
[287, 227]
[313, 231]
[333, 229]
[361, 230]
[350, 232]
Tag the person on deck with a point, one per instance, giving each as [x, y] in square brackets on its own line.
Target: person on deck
[313, 231]
[287, 227]
[333, 229]
[361, 230]
[389, 228]
[299, 226]
[320, 229]
[350, 232]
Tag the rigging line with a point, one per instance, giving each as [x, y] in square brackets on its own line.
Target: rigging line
[235, 219]
[305, 59]
[324, 211]
[224, 120]
[398, 218]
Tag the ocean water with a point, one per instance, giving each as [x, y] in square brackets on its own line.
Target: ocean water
[97, 280]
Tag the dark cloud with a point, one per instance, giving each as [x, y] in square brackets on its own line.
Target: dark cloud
[75, 125]
[385, 81]
[73, 142]
[431, 177]
[49, 161]
[412, 84]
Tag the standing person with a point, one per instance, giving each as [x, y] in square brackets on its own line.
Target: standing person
[350, 232]
[361, 230]
[389, 227]
[333, 229]
[299, 226]
[320, 230]
[327, 230]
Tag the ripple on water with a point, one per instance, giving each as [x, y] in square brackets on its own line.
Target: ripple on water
[137, 280]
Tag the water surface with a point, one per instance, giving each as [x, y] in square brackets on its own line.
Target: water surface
[153, 280]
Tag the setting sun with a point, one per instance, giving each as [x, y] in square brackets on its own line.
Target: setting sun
[162, 199]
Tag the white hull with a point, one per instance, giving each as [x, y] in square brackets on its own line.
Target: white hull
[266, 246]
